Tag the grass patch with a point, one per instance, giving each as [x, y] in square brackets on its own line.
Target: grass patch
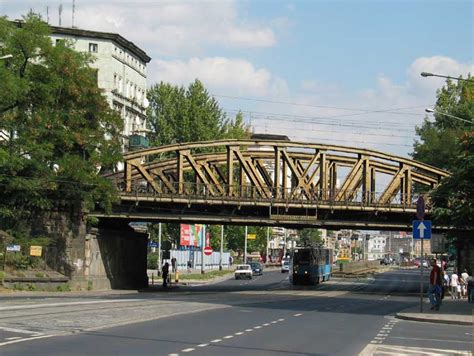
[206, 276]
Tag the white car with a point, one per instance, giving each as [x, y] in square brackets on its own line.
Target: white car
[285, 266]
[243, 271]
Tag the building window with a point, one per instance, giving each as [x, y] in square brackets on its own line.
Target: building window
[93, 47]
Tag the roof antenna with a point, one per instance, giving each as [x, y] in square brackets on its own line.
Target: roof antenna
[73, 11]
[60, 11]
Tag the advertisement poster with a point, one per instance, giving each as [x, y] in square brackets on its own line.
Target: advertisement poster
[191, 235]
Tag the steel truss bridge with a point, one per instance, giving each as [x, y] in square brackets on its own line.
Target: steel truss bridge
[271, 182]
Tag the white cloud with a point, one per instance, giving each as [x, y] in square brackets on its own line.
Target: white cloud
[382, 117]
[167, 28]
[223, 75]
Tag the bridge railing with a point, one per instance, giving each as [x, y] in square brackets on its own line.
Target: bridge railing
[249, 193]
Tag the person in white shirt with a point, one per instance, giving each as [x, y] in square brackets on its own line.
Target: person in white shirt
[464, 277]
[454, 286]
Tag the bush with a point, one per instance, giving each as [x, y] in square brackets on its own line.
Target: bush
[39, 275]
[152, 261]
[64, 288]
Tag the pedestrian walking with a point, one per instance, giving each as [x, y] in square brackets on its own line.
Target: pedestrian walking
[173, 264]
[164, 274]
[464, 277]
[454, 285]
[189, 266]
[470, 289]
[230, 260]
[435, 289]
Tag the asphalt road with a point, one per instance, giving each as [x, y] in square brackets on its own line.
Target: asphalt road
[262, 316]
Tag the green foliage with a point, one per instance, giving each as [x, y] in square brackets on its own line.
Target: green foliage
[60, 128]
[89, 285]
[453, 199]
[39, 275]
[63, 288]
[152, 261]
[2, 276]
[206, 276]
[449, 143]
[311, 237]
[437, 144]
[179, 115]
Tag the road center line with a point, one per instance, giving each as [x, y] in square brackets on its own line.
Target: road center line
[239, 333]
[216, 340]
[20, 331]
[25, 339]
[228, 337]
[248, 330]
[203, 345]
[299, 314]
[188, 350]
[257, 327]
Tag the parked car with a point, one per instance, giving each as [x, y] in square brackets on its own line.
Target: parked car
[285, 266]
[257, 268]
[243, 271]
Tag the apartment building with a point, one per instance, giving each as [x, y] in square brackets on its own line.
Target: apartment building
[121, 73]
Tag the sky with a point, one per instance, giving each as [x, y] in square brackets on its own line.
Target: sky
[332, 72]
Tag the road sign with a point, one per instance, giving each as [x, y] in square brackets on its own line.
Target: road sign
[422, 229]
[208, 250]
[420, 208]
[153, 244]
[251, 236]
[36, 251]
[13, 248]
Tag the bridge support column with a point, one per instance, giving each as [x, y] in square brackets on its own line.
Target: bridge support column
[116, 257]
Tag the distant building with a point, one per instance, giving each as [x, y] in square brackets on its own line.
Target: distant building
[376, 247]
[121, 73]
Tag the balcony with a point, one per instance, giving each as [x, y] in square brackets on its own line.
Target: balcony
[137, 142]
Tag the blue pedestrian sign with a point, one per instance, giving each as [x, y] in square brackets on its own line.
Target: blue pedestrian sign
[422, 229]
[152, 244]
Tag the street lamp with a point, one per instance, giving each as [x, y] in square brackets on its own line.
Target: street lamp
[429, 110]
[426, 74]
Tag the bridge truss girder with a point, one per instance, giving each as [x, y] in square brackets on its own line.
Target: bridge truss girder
[276, 174]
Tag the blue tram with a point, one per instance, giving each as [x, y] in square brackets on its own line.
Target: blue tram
[310, 265]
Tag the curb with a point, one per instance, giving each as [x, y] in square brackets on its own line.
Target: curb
[404, 316]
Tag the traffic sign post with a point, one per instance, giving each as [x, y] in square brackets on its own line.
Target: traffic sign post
[208, 250]
[420, 208]
[421, 231]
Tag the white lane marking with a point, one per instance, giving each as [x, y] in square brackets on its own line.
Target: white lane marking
[257, 327]
[299, 314]
[13, 338]
[188, 350]
[25, 339]
[370, 350]
[379, 338]
[239, 333]
[20, 331]
[216, 340]
[203, 345]
[248, 330]
[173, 354]
[438, 340]
[281, 320]
[228, 337]
[266, 324]
[35, 306]
[274, 322]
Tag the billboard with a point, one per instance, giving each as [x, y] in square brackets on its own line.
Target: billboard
[191, 235]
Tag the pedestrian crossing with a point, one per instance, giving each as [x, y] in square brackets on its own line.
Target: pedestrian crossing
[378, 350]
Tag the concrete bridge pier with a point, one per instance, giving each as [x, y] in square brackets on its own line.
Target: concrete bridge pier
[115, 256]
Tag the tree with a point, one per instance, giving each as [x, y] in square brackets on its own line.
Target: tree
[57, 128]
[437, 144]
[453, 199]
[310, 237]
[448, 143]
[177, 115]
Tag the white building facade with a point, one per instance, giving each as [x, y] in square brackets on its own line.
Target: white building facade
[121, 73]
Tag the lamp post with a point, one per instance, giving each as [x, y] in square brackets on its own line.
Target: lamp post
[427, 74]
[429, 110]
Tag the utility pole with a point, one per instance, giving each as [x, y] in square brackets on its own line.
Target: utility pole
[203, 242]
[245, 245]
[284, 245]
[222, 247]
[159, 249]
[268, 241]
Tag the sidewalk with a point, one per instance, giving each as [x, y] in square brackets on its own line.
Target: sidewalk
[458, 312]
